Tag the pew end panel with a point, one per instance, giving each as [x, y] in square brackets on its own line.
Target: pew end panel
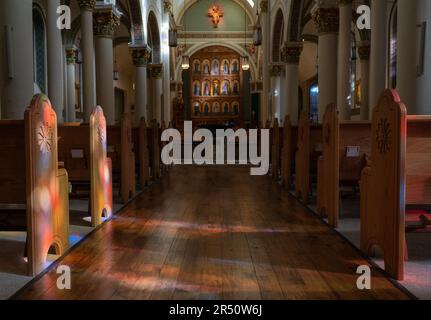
[383, 185]
[42, 189]
[101, 169]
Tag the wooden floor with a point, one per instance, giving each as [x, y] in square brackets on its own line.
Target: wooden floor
[213, 233]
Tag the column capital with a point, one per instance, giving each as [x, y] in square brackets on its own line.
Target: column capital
[344, 2]
[167, 6]
[87, 5]
[364, 49]
[264, 6]
[276, 69]
[156, 70]
[71, 54]
[140, 54]
[105, 19]
[327, 20]
[291, 52]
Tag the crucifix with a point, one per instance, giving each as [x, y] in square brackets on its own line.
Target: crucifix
[215, 13]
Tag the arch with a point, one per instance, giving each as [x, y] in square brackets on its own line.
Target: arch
[153, 37]
[236, 47]
[244, 4]
[278, 35]
[137, 23]
[39, 49]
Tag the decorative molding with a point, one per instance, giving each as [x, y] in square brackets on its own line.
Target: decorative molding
[105, 20]
[264, 6]
[155, 70]
[87, 5]
[71, 54]
[344, 2]
[364, 49]
[291, 52]
[140, 55]
[276, 69]
[167, 6]
[215, 35]
[327, 20]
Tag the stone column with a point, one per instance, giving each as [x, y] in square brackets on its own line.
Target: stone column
[276, 71]
[87, 50]
[106, 18]
[266, 36]
[327, 23]
[344, 90]
[16, 43]
[167, 102]
[378, 51]
[71, 52]
[413, 84]
[290, 54]
[156, 74]
[364, 56]
[55, 60]
[141, 55]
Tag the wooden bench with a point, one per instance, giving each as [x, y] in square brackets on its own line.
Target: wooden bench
[120, 151]
[306, 158]
[289, 145]
[276, 145]
[398, 175]
[82, 150]
[141, 147]
[155, 140]
[345, 146]
[31, 182]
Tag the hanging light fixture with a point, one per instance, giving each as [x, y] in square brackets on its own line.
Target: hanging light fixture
[257, 32]
[116, 74]
[185, 64]
[172, 33]
[173, 38]
[245, 64]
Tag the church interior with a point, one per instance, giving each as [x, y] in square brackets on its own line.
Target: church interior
[87, 89]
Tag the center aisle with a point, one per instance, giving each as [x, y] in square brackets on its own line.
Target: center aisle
[213, 233]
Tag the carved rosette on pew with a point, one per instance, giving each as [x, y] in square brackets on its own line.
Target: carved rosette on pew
[47, 218]
[143, 154]
[328, 168]
[101, 169]
[383, 185]
[275, 150]
[128, 187]
[302, 161]
[286, 157]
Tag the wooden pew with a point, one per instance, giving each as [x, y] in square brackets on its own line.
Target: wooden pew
[155, 150]
[308, 151]
[144, 160]
[275, 150]
[290, 140]
[30, 180]
[335, 166]
[100, 169]
[120, 151]
[82, 149]
[398, 175]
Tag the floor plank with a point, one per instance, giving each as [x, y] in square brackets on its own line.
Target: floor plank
[213, 233]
